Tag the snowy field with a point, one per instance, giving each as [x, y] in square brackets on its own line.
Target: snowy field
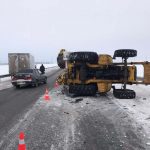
[4, 69]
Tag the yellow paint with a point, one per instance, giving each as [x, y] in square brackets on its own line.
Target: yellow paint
[105, 60]
[131, 70]
[104, 87]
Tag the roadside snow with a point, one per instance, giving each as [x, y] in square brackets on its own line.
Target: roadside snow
[139, 108]
[5, 79]
[3, 69]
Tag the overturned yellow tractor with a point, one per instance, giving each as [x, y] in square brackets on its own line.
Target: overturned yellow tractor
[88, 73]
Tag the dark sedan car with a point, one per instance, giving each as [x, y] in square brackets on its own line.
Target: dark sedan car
[28, 77]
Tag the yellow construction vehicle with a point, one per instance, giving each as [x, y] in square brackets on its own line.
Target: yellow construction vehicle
[87, 73]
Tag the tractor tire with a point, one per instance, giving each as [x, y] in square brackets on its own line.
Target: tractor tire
[83, 89]
[125, 53]
[89, 57]
[124, 94]
[60, 61]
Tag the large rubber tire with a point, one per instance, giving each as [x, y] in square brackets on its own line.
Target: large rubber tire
[90, 57]
[83, 89]
[124, 94]
[125, 53]
[60, 61]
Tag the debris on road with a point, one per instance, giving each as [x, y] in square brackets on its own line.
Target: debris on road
[78, 100]
[66, 113]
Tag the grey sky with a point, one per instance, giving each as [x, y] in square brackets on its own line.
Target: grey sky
[43, 27]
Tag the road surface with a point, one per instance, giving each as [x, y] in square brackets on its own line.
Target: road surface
[64, 123]
[13, 102]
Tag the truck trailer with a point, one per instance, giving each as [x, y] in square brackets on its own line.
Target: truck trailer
[20, 61]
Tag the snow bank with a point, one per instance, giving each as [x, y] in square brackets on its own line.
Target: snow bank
[3, 69]
[139, 108]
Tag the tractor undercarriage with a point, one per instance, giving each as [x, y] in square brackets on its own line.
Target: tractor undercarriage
[87, 73]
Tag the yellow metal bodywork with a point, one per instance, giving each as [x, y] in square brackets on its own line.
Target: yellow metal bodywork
[62, 51]
[103, 85]
[105, 60]
[146, 73]
[62, 78]
[132, 71]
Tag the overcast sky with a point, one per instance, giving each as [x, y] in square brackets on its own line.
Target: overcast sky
[43, 27]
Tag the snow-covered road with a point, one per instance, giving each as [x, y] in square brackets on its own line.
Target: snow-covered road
[94, 123]
[139, 108]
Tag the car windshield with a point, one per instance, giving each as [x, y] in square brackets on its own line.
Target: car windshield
[26, 71]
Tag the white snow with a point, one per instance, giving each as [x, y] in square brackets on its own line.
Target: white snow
[3, 69]
[5, 79]
[139, 108]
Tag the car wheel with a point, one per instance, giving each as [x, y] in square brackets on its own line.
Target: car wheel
[17, 86]
[45, 81]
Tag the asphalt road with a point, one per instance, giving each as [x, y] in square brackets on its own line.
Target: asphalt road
[13, 102]
[94, 123]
